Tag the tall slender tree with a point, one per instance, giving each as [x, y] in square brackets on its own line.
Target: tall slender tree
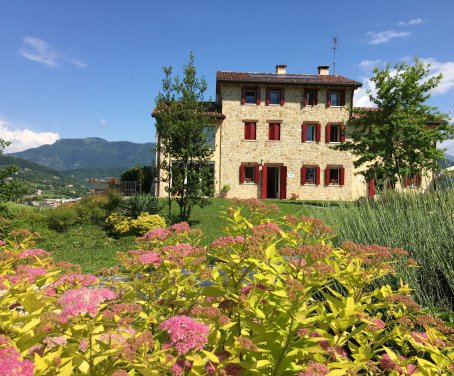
[399, 137]
[181, 124]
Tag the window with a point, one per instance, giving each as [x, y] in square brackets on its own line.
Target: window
[250, 131]
[274, 133]
[310, 97]
[275, 96]
[310, 133]
[250, 96]
[210, 134]
[335, 133]
[310, 175]
[335, 98]
[412, 181]
[249, 173]
[334, 175]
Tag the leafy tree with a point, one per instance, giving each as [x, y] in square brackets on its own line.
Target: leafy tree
[10, 190]
[143, 175]
[398, 138]
[182, 140]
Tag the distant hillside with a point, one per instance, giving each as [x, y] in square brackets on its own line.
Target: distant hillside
[449, 158]
[89, 153]
[30, 171]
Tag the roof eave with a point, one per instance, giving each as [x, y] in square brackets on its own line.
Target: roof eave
[346, 84]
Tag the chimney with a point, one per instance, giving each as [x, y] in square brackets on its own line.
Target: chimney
[323, 70]
[281, 69]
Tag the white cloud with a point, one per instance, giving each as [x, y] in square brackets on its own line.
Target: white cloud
[385, 36]
[413, 22]
[38, 50]
[446, 69]
[368, 65]
[102, 122]
[361, 97]
[22, 139]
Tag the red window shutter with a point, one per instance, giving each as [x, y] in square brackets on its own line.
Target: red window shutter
[315, 101]
[256, 174]
[303, 175]
[317, 175]
[247, 134]
[267, 97]
[282, 97]
[342, 98]
[253, 131]
[258, 95]
[283, 183]
[328, 133]
[270, 131]
[371, 188]
[341, 175]
[406, 182]
[342, 133]
[304, 133]
[264, 180]
[317, 132]
[242, 168]
[327, 175]
[328, 98]
[278, 131]
[243, 95]
[305, 98]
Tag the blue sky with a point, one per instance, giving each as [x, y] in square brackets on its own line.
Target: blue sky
[71, 69]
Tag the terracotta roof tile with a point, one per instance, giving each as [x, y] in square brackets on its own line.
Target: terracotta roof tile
[292, 79]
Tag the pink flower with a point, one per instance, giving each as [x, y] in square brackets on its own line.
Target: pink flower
[387, 363]
[150, 258]
[76, 279]
[2, 243]
[4, 340]
[269, 227]
[84, 300]
[314, 369]
[155, 234]
[180, 366]
[12, 365]
[185, 333]
[180, 227]
[83, 345]
[52, 342]
[377, 324]
[227, 241]
[33, 252]
[183, 248]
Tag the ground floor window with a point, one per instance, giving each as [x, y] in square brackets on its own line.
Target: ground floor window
[310, 175]
[249, 173]
[334, 175]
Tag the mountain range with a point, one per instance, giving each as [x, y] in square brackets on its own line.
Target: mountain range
[88, 153]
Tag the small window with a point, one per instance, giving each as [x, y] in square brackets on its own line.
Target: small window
[250, 96]
[334, 175]
[274, 133]
[335, 98]
[310, 98]
[274, 97]
[250, 131]
[210, 134]
[310, 175]
[310, 132]
[249, 173]
[335, 133]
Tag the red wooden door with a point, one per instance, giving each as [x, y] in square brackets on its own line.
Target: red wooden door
[283, 183]
[264, 180]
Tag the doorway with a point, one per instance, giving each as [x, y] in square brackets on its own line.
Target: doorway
[272, 182]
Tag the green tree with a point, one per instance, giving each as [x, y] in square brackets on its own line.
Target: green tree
[10, 189]
[399, 138]
[182, 141]
[143, 175]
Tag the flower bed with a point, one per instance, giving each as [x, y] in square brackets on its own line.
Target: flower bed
[269, 298]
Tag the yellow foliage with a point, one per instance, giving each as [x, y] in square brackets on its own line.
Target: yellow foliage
[137, 226]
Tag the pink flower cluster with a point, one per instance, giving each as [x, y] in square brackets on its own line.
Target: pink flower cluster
[12, 365]
[314, 369]
[84, 300]
[185, 333]
[24, 273]
[76, 279]
[269, 227]
[180, 227]
[227, 241]
[390, 365]
[150, 258]
[33, 252]
[377, 324]
[183, 249]
[155, 234]
[52, 342]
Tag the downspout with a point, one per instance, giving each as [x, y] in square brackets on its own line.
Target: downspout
[158, 167]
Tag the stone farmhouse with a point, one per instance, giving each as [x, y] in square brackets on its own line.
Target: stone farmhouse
[272, 136]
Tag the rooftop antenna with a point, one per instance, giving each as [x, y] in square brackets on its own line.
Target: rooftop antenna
[334, 54]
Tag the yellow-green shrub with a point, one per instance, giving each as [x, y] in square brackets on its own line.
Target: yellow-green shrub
[140, 225]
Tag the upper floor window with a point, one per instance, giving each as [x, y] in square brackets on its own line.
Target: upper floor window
[275, 96]
[250, 130]
[274, 132]
[310, 97]
[210, 134]
[250, 96]
[310, 133]
[335, 133]
[335, 98]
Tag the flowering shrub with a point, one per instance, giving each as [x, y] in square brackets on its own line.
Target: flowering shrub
[136, 226]
[269, 298]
